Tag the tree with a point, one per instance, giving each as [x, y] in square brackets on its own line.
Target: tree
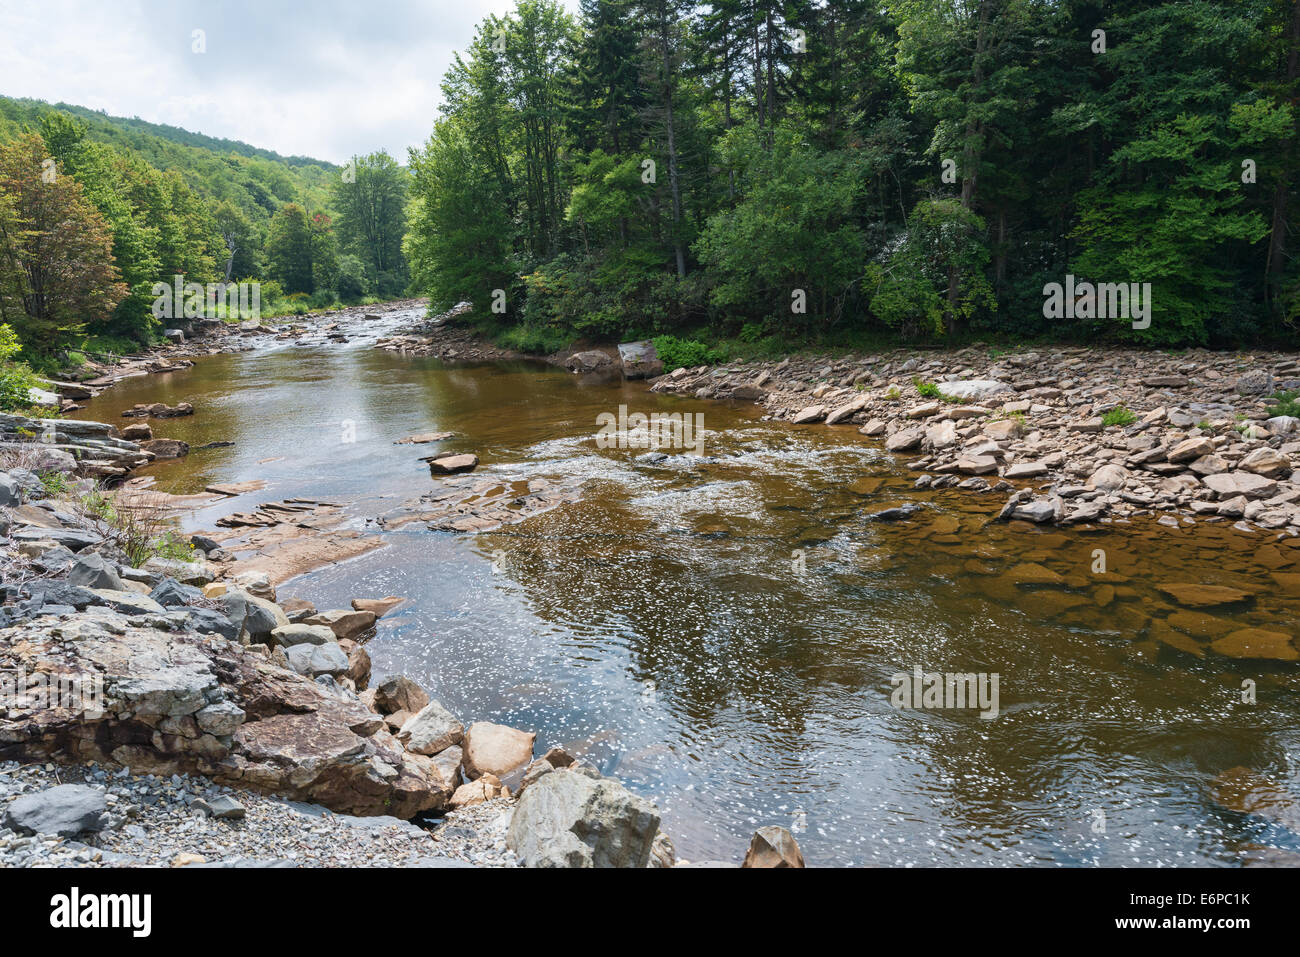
[290, 250]
[55, 250]
[372, 217]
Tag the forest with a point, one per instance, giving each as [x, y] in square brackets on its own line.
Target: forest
[731, 175]
[797, 172]
[94, 210]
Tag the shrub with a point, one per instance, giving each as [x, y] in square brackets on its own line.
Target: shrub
[16, 378]
[1287, 404]
[678, 353]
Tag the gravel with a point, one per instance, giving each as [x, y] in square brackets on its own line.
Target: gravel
[154, 821]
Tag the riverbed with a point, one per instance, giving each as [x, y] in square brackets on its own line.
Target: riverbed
[720, 631]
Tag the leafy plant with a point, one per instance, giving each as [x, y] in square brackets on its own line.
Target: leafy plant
[684, 353]
[1118, 416]
[1287, 404]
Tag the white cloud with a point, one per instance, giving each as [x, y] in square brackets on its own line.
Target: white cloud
[326, 79]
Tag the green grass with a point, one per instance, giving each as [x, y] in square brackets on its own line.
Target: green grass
[1118, 416]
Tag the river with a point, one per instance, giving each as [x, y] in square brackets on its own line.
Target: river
[721, 635]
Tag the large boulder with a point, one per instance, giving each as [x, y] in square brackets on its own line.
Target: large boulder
[592, 360]
[574, 819]
[65, 810]
[640, 360]
[496, 749]
[973, 388]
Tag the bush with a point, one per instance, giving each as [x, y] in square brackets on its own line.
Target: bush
[679, 353]
[1286, 404]
[16, 378]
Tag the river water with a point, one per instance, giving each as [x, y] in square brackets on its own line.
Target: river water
[721, 635]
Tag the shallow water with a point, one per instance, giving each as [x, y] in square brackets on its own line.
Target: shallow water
[721, 635]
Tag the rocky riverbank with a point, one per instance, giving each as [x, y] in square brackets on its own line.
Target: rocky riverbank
[187, 701]
[1064, 436]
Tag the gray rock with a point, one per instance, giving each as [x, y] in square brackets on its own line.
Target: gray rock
[64, 810]
[211, 621]
[11, 493]
[94, 571]
[224, 717]
[315, 660]
[257, 616]
[432, 730]
[170, 593]
[189, 573]
[300, 634]
[567, 819]
[74, 538]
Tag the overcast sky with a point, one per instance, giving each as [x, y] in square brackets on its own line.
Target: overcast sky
[320, 78]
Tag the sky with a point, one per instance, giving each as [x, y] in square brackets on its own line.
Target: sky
[322, 78]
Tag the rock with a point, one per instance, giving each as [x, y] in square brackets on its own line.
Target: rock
[568, 819]
[773, 846]
[1191, 595]
[1255, 382]
[942, 436]
[139, 432]
[399, 693]
[257, 584]
[1190, 449]
[166, 448]
[1267, 462]
[813, 413]
[1257, 643]
[54, 460]
[255, 617]
[344, 623]
[1024, 470]
[211, 621]
[975, 465]
[378, 607]
[127, 602]
[358, 663]
[424, 438]
[433, 730]
[589, 361]
[894, 514]
[874, 428]
[171, 594]
[495, 749]
[1232, 484]
[65, 810]
[640, 360]
[846, 411]
[973, 388]
[226, 808]
[924, 410]
[188, 573]
[316, 660]
[662, 852]
[476, 792]
[451, 464]
[11, 493]
[1282, 424]
[1003, 429]
[1108, 478]
[301, 634]
[224, 717]
[92, 570]
[534, 774]
[904, 440]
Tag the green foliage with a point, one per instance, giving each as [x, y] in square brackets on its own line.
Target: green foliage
[927, 390]
[685, 353]
[1119, 415]
[1286, 403]
[16, 378]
